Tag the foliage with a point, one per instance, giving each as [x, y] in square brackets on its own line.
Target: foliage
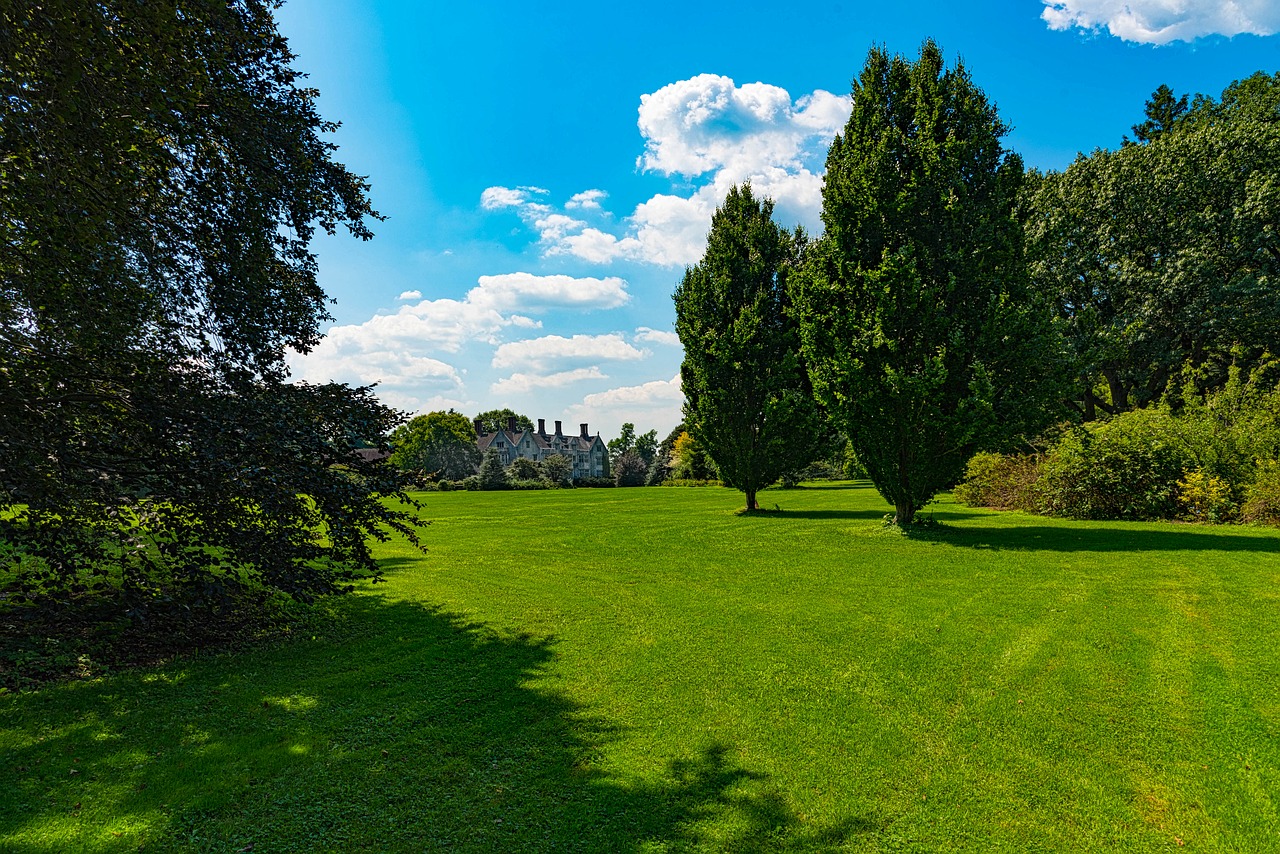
[594, 482]
[557, 468]
[493, 420]
[163, 178]
[1262, 502]
[647, 446]
[523, 468]
[439, 443]
[689, 460]
[658, 470]
[626, 441]
[923, 341]
[1001, 481]
[492, 474]
[1205, 498]
[747, 395]
[1125, 468]
[1141, 296]
[629, 469]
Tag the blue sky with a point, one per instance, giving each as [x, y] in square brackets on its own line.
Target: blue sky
[547, 171]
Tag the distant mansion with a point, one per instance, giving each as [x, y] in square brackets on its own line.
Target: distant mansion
[587, 453]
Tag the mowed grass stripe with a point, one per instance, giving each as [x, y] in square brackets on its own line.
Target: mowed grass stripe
[645, 670]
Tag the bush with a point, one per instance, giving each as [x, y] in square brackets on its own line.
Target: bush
[492, 474]
[1001, 481]
[529, 483]
[629, 469]
[1262, 501]
[1127, 468]
[689, 481]
[1205, 497]
[594, 482]
[523, 468]
[557, 469]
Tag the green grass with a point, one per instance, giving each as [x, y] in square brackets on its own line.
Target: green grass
[644, 670]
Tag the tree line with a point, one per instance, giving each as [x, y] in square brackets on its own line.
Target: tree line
[957, 302]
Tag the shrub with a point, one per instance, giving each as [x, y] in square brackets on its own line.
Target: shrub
[629, 469]
[594, 482]
[1262, 501]
[529, 483]
[1204, 497]
[689, 481]
[492, 474]
[557, 469]
[1001, 481]
[523, 468]
[1126, 468]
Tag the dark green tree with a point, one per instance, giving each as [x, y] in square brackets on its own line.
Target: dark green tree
[647, 446]
[162, 176]
[494, 420]
[922, 338]
[1162, 111]
[626, 441]
[747, 397]
[492, 473]
[442, 444]
[523, 468]
[557, 469]
[1143, 299]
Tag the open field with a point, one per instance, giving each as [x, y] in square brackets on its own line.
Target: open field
[643, 670]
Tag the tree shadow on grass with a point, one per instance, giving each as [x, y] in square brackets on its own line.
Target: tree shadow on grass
[1102, 537]
[400, 728]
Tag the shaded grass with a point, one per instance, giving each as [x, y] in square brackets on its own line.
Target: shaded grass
[644, 670]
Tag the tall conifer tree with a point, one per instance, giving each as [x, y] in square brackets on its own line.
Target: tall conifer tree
[915, 317]
[747, 398]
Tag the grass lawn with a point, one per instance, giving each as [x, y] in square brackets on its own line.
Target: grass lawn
[643, 670]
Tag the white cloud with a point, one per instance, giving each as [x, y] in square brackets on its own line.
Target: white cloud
[399, 351]
[705, 128]
[652, 405]
[657, 336]
[1164, 21]
[410, 295]
[586, 200]
[555, 352]
[527, 292]
[521, 383]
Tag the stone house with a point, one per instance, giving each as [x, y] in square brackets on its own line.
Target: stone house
[587, 453]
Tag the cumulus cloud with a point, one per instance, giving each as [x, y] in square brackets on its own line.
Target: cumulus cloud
[1164, 21]
[586, 200]
[652, 405]
[657, 336]
[400, 351]
[713, 134]
[555, 352]
[522, 383]
[410, 295]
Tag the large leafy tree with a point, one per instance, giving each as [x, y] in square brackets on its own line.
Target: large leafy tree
[493, 420]
[442, 444]
[162, 173]
[747, 398]
[922, 341]
[1145, 298]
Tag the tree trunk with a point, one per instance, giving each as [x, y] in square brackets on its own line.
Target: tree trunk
[751, 500]
[906, 513]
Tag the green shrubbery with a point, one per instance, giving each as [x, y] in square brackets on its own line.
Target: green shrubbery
[1214, 459]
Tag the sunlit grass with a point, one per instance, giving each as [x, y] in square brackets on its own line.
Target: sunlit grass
[644, 670]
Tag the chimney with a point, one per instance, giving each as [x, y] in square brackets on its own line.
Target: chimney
[479, 427]
[584, 433]
[557, 428]
[511, 423]
[542, 426]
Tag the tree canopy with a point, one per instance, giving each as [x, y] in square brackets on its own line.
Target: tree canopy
[1160, 258]
[493, 420]
[164, 172]
[923, 342]
[747, 397]
[440, 444]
